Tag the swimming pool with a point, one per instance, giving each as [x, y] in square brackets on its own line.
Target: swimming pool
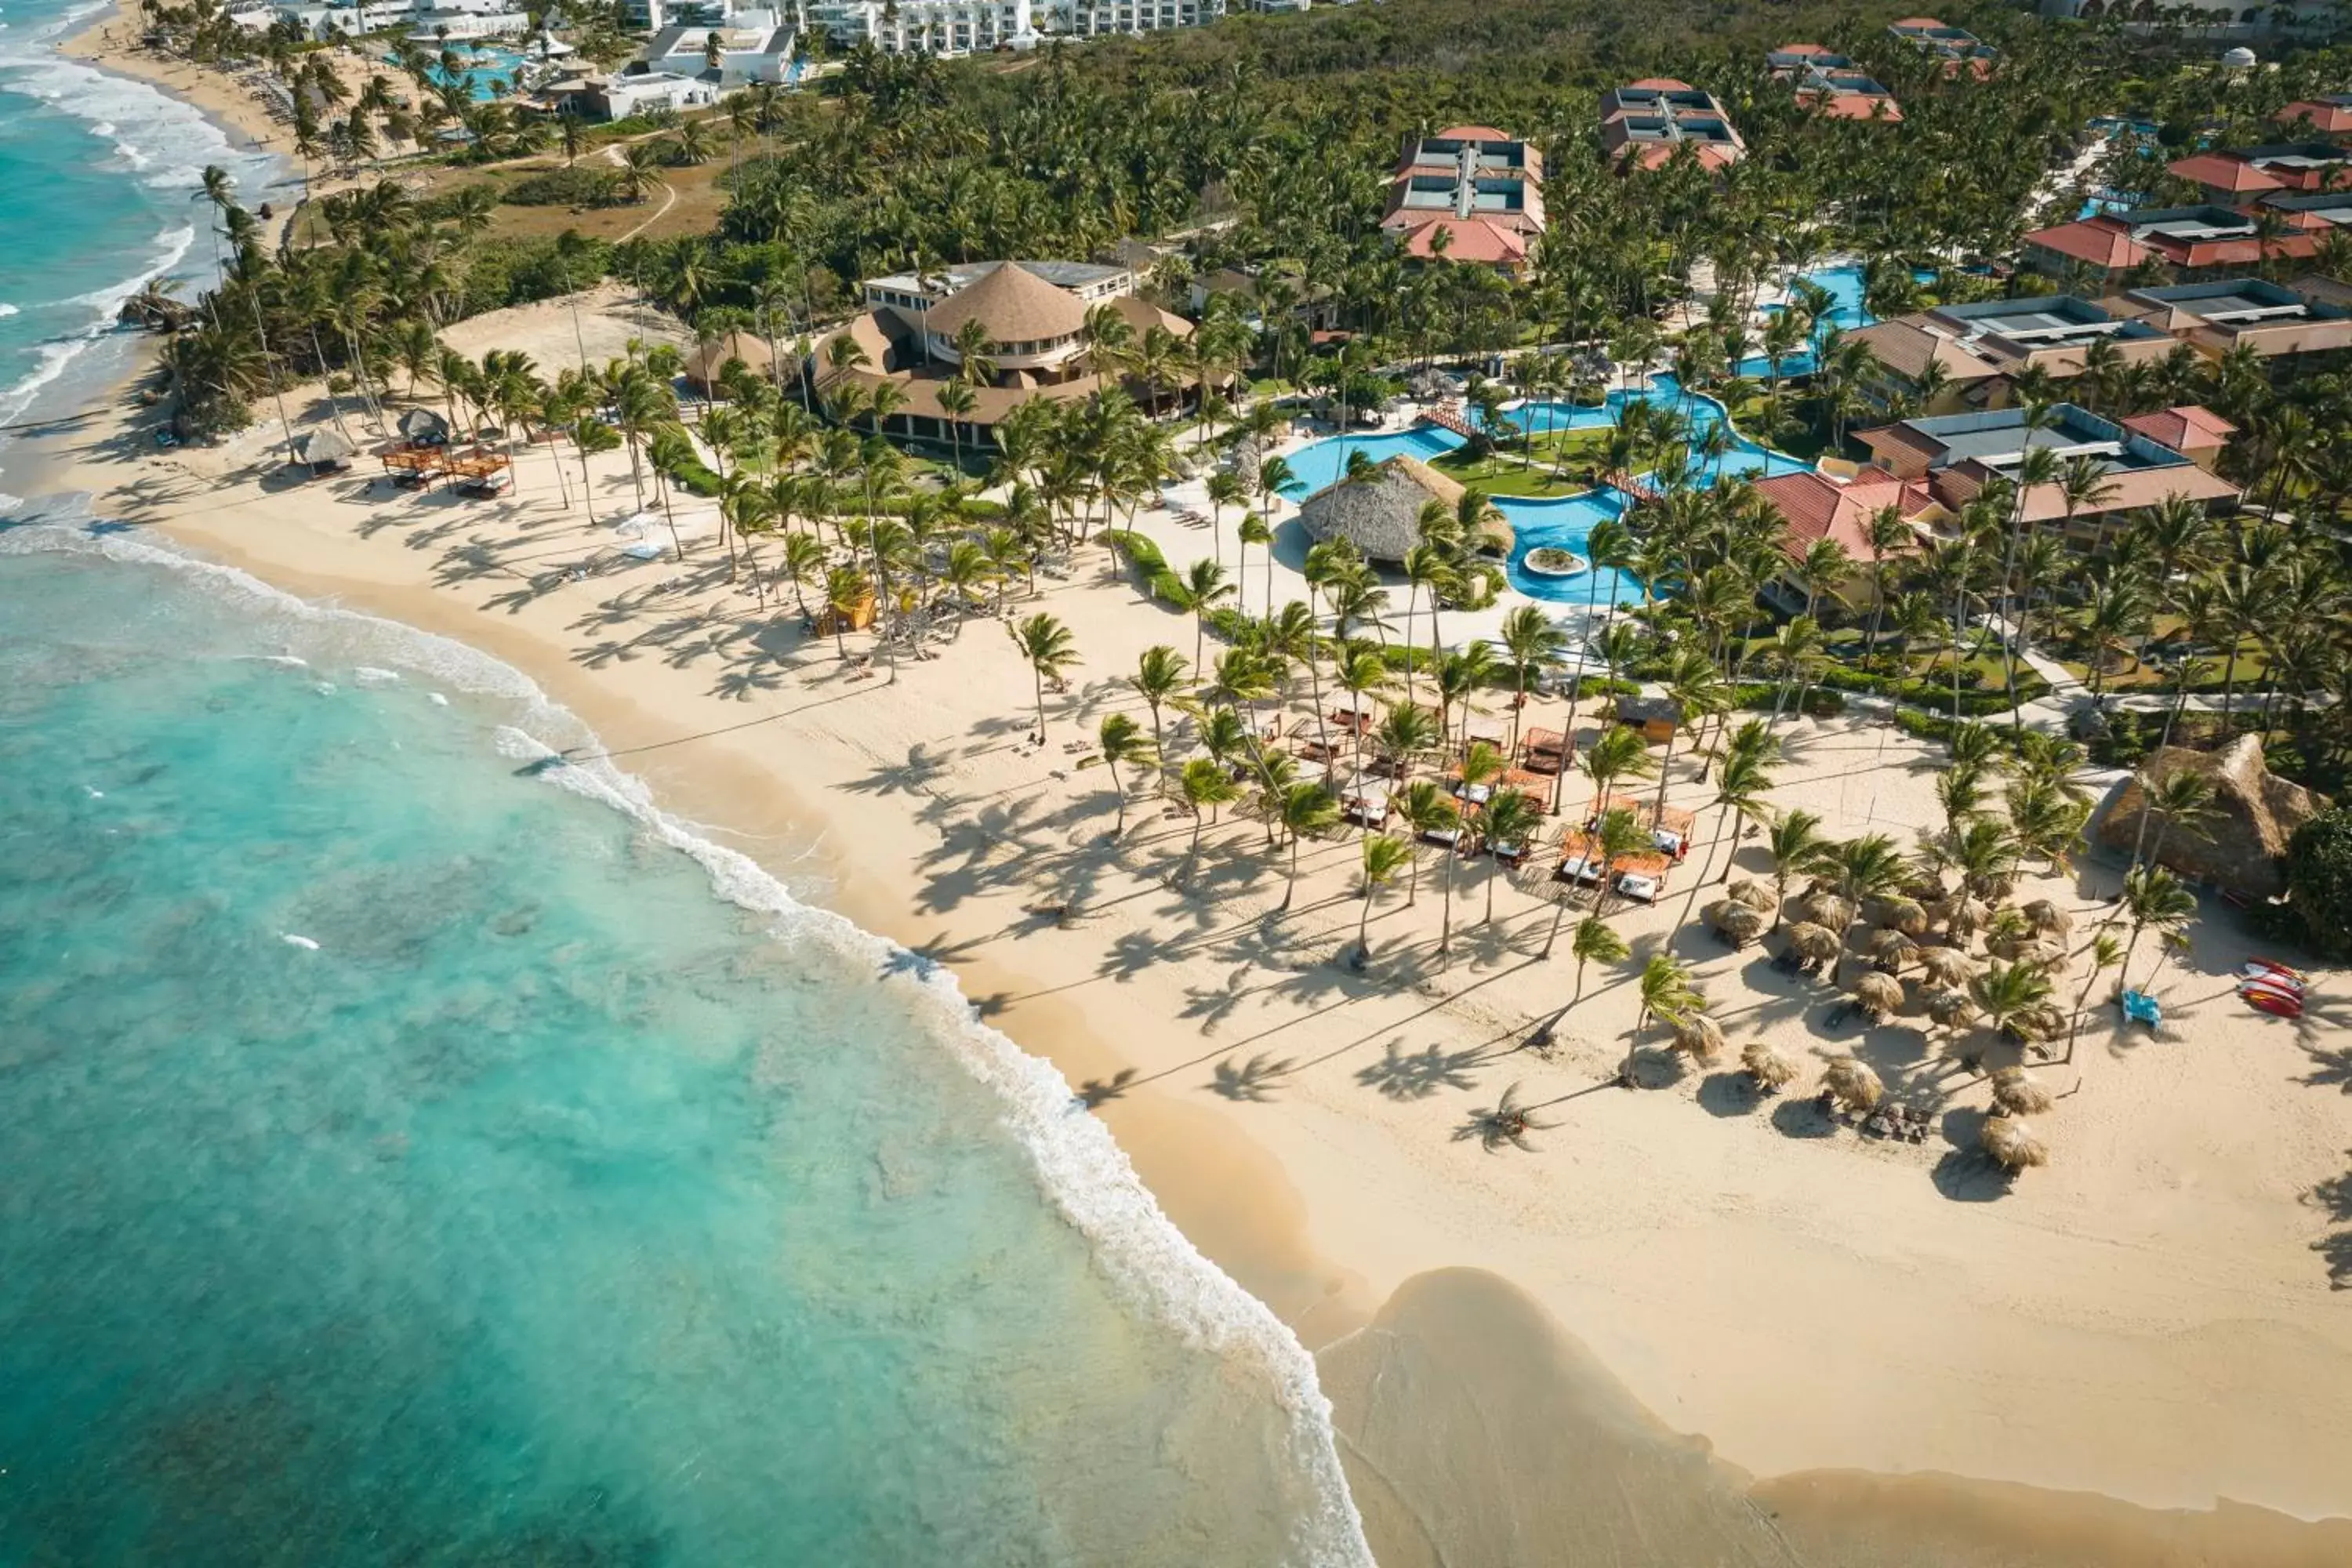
[1565, 521]
[1846, 311]
[489, 62]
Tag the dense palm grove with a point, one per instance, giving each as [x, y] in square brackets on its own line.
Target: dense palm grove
[1263, 143]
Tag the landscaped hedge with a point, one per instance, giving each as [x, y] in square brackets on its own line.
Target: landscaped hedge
[1165, 584]
[573, 185]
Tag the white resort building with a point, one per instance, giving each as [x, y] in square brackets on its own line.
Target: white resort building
[965, 26]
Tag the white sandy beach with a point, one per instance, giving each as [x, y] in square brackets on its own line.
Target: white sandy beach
[2148, 1319]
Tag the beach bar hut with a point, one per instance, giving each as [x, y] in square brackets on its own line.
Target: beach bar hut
[830, 621]
[2242, 849]
[1656, 717]
[1379, 511]
[323, 451]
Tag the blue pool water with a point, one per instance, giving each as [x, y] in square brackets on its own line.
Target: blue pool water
[487, 63]
[95, 172]
[1565, 522]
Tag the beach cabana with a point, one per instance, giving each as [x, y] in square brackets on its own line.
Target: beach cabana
[323, 451]
[2243, 847]
[481, 473]
[1546, 752]
[412, 465]
[1366, 800]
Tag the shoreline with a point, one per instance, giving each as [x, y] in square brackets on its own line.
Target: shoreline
[1229, 1192]
[1338, 1221]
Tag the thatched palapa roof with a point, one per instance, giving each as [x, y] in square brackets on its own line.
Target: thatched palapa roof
[2243, 847]
[325, 445]
[1014, 305]
[1379, 512]
[704, 365]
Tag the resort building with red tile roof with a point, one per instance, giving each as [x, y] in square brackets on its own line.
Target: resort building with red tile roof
[1645, 124]
[1470, 194]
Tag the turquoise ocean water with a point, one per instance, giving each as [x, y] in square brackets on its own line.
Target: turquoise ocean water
[410, 1154]
[96, 178]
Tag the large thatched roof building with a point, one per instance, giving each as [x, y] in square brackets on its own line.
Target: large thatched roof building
[1379, 511]
[2243, 847]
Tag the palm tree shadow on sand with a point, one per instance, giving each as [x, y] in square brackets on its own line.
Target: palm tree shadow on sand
[1400, 1074]
[1253, 1081]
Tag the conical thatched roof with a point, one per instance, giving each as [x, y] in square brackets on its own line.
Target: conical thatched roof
[1891, 949]
[1946, 967]
[1814, 944]
[1741, 924]
[2012, 1144]
[1851, 1084]
[1699, 1034]
[1963, 916]
[2242, 847]
[424, 425]
[1879, 993]
[1953, 1009]
[1907, 915]
[2018, 1093]
[1768, 1065]
[1012, 304]
[2048, 917]
[1379, 513]
[1826, 909]
[324, 445]
[1754, 895]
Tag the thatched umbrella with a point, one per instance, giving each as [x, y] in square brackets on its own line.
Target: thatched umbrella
[1852, 1085]
[1952, 1009]
[1754, 895]
[2043, 1023]
[1827, 910]
[1736, 922]
[2044, 955]
[1769, 1067]
[1890, 949]
[1699, 1034]
[2013, 1145]
[1964, 916]
[1907, 915]
[1878, 995]
[2018, 1093]
[1946, 967]
[2049, 917]
[424, 425]
[1814, 944]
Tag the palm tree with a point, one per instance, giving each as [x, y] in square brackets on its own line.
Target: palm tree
[1160, 672]
[2183, 798]
[803, 564]
[1384, 856]
[1206, 783]
[1797, 845]
[1428, 811]
[1740, 785]
[1512, 819]
[1619, 755]
[1202, 589]
[1050, 649]
[2104, 953]
[2154, 896]
[1305, 807]
[1119, 740]
[1533, 647]
[1595, 940]
[1667, 995]
[846, 590]
[1696, 688]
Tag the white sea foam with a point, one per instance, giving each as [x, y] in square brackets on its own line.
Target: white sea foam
[291, 940]
[58, 353]
[1158, 1272]
[369, 675]
[7, 308]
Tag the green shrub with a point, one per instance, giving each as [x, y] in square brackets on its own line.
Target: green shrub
[573, 186]
[1824, 704]
[2319, 880]
[1148, 561]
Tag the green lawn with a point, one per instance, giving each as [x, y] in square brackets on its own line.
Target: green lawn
[1507, 476]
